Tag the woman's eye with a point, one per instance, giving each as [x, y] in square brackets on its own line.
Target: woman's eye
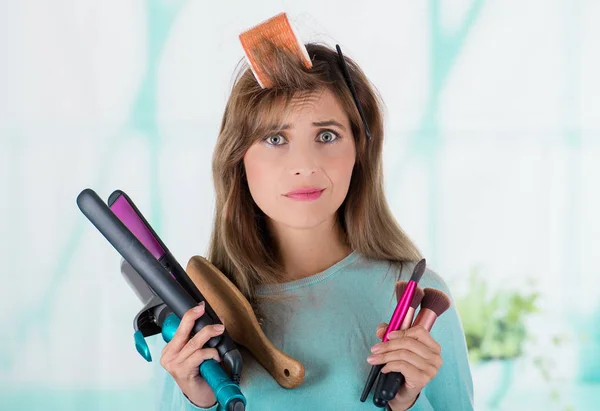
[328, 136]
[275, 140]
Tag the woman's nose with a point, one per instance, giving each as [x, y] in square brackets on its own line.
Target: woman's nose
[302, 161]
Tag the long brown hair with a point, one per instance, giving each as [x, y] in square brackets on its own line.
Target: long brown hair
[241, 245]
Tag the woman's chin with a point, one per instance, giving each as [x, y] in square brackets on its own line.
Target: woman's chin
[304, 221]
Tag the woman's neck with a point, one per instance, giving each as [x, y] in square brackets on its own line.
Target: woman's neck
[305, 252]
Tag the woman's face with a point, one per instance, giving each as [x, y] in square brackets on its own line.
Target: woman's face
[300, 176]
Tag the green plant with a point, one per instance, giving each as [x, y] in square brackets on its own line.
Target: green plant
[493, 321]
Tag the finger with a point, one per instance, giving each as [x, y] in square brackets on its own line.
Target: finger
[381, 328]
[198, 341]
[198, 357]
[182, 334]
[413, 376]
[405, 343]
[189, 368]
[418, 332]
[429, 366]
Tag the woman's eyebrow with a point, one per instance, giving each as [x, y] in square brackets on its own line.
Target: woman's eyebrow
[325, 123]
[329, 123]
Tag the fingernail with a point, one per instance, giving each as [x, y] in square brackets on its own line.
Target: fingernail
[375, 348]
[371, 359]
[199, 307]
[219, 327]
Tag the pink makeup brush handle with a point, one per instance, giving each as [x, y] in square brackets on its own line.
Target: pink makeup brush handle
[401, 309]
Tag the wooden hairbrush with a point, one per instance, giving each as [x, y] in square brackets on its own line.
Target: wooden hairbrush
[274, 32]
[241, 323]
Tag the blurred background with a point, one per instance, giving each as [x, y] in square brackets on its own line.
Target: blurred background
[491, 162]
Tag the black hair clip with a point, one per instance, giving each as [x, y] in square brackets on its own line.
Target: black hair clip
[352, 90]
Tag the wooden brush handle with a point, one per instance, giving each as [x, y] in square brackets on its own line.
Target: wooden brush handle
[287, 371]
[241, 323]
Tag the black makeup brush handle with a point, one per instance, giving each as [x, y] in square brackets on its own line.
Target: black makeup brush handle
[388, 386]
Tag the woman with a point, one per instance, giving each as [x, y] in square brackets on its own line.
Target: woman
[303, 229]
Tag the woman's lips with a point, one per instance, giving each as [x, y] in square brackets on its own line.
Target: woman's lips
[305, 194]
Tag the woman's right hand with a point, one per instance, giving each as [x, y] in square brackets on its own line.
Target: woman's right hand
[182, 357]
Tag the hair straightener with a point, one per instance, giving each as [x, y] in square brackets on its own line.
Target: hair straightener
[164, 287]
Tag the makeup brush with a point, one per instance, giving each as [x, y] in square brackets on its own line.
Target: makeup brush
[400, 287]
[417, 298]
[383, 380]
[434, 304]
[396, 321]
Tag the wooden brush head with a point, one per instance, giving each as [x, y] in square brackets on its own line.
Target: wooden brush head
[241, 323]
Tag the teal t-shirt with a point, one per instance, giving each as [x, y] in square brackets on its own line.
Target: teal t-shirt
[329, 326]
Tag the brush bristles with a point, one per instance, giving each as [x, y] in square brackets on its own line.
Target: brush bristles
[435, 300]
[418, 271]
[419, 293]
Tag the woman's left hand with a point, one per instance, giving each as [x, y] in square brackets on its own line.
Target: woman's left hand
[412, 352]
